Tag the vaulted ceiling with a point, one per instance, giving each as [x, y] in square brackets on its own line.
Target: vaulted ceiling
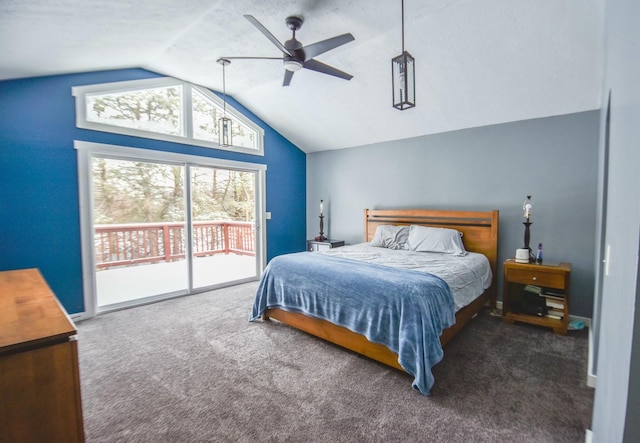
[478, 62]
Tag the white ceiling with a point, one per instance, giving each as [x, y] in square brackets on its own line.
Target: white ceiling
[478, 62]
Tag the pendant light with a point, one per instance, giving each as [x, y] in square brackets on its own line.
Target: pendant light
[403, 77]
[224, 123]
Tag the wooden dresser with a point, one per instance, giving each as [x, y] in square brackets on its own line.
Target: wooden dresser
[39, 379]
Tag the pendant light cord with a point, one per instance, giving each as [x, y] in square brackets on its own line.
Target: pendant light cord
[403, 26]
[224, 91]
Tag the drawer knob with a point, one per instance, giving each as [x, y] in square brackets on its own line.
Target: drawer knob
[535, 278]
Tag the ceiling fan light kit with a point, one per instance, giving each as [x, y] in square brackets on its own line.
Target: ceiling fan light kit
[292, 65]
[403, 77]
[295, 56]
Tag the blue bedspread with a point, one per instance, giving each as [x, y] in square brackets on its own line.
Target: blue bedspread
[402, 309]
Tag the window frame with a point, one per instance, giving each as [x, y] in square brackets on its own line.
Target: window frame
[80, 93]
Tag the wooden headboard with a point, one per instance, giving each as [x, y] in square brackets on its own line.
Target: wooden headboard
[479, 228]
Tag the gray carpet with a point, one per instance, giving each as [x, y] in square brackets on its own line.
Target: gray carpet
[194, 369]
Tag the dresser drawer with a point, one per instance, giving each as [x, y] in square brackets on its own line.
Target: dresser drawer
[538, 278]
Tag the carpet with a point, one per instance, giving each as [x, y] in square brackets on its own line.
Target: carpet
[193, 369]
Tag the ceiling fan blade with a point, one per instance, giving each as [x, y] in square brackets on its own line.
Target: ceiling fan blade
[323, 46]
[288, 75]
[317, 66]
[252, 58]
[267, 34]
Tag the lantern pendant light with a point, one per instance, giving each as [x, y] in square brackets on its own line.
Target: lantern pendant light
[224, 123]
[403, 77]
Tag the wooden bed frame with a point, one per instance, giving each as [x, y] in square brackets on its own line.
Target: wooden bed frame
[480, 234]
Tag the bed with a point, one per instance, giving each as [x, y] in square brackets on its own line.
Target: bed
[335, 297]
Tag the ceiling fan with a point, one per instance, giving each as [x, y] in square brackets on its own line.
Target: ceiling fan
[295, 56]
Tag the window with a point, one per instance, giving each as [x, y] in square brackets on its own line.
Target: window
[205, 122]
[152, 109]
[164, 109]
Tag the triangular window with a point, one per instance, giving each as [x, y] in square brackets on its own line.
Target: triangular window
[206, 114]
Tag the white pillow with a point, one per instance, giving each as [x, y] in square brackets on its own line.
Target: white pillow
[428, 239]
[391, 237]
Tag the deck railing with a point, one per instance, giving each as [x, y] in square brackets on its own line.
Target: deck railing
[134, 243]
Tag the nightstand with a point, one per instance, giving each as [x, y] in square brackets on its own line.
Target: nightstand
[315, 246]
[537, 294]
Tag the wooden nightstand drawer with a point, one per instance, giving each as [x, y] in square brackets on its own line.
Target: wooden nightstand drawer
[538, 278]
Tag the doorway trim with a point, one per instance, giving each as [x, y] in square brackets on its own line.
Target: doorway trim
[85, 151]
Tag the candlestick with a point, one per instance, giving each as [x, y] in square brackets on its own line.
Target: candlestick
[322, 237]
[527, 234]
[527, 207]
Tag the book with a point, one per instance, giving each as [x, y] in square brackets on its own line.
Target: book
[533, 289]
[553, 316]
[553, 298]
[555, 313]
[552, 303]
[553, 294]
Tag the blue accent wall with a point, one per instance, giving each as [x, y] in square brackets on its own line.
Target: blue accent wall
[39, 209]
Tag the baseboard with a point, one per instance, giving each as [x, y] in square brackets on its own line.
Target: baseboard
[588, 436]
[591, 377]
[585, 320]
[79, 316]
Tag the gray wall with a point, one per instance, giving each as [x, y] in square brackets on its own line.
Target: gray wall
[493, 167]
[617, 399]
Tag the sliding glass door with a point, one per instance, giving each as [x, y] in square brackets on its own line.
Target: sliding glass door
[158, 225]
[223, 224]
[139, 229]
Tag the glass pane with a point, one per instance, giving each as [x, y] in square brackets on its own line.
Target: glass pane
[139, 229]
[155, 110]
[205, 118]
[205, 123]
[223, 214]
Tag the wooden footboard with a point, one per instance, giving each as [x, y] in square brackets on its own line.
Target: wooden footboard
[359, 343]
[335, 334]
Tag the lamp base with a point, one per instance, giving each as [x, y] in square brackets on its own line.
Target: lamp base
[522, 256]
